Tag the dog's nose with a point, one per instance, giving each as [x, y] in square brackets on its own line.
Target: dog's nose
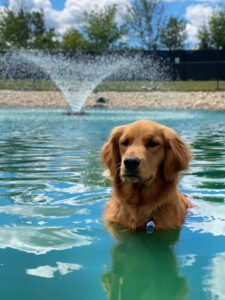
[131, 163]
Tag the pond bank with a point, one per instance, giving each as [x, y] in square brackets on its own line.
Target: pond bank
[151, 100]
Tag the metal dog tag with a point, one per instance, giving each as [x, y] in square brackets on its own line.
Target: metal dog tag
[150, 227]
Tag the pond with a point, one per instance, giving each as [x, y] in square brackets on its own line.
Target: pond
[53, 243]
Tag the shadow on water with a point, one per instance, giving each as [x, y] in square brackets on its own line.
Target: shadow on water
[144, 267]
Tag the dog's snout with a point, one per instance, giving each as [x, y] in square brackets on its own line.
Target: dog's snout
[131, 163]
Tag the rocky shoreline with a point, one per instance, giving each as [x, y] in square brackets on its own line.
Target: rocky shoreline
[150, 100]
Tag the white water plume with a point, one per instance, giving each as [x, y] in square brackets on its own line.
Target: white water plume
[76, 78]
[77, 75]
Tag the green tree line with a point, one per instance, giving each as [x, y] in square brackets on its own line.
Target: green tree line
[144, 26]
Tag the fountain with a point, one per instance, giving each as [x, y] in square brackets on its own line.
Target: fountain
[77, 75]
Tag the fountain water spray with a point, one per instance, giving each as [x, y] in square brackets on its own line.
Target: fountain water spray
[78, 75]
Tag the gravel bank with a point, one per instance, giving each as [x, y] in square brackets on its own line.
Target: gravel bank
[173, 100]
[31, 99]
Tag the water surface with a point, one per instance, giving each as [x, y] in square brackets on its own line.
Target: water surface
[53, 244]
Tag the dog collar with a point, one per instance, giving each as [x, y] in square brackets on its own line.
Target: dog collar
[150, 226]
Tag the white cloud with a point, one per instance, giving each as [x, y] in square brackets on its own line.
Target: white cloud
[214, 281]
[42, 271]
[15, 5]
[71, 15]
[49, 271]
[207, 217]
[196, 16]
[214, 2]
[41, 240]
[187, 260]
[41, 211]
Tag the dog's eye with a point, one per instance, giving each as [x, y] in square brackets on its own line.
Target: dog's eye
[125, 143]
[152, 144]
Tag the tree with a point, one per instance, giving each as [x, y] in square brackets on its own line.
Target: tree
[42, 37]
[174, 34]
[25, 30]
[73, 40]
[212, 35]
[217, 29]
[204, 38]
[144, 20]
[15, 30]
[102, 30]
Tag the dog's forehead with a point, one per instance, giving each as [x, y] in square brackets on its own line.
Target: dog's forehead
[144, 128]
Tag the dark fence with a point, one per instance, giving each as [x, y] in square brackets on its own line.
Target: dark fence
[195, 65]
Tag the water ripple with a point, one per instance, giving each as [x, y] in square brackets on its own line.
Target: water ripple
[39, 240]
[51, 178]
[42, 211]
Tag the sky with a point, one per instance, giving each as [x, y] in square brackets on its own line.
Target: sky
[62, 14]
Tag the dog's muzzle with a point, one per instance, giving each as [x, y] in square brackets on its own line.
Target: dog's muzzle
[131, 163]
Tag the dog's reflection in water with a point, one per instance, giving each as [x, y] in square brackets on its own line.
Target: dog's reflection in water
[144, 267]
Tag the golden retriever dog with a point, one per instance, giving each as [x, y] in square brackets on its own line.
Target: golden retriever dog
[144, 160]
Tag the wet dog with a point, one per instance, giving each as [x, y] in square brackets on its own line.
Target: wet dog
[144, 160]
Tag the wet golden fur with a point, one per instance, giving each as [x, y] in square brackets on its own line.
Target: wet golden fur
[152, 192]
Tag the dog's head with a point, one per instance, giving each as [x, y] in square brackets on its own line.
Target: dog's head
[144, 151]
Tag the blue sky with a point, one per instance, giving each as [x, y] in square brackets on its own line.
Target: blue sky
[63, 14]
[58, 4]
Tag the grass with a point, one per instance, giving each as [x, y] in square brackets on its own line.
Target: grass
[142, 86]
[28, 85]
[119, 86]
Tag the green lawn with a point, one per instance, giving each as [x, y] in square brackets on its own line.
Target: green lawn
[138, 86]
[27, 85]
[119, 86]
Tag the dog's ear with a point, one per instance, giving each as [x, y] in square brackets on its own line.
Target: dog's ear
[177, 156]
[110, 154]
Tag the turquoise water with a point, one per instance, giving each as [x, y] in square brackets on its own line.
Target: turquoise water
[53, 244]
